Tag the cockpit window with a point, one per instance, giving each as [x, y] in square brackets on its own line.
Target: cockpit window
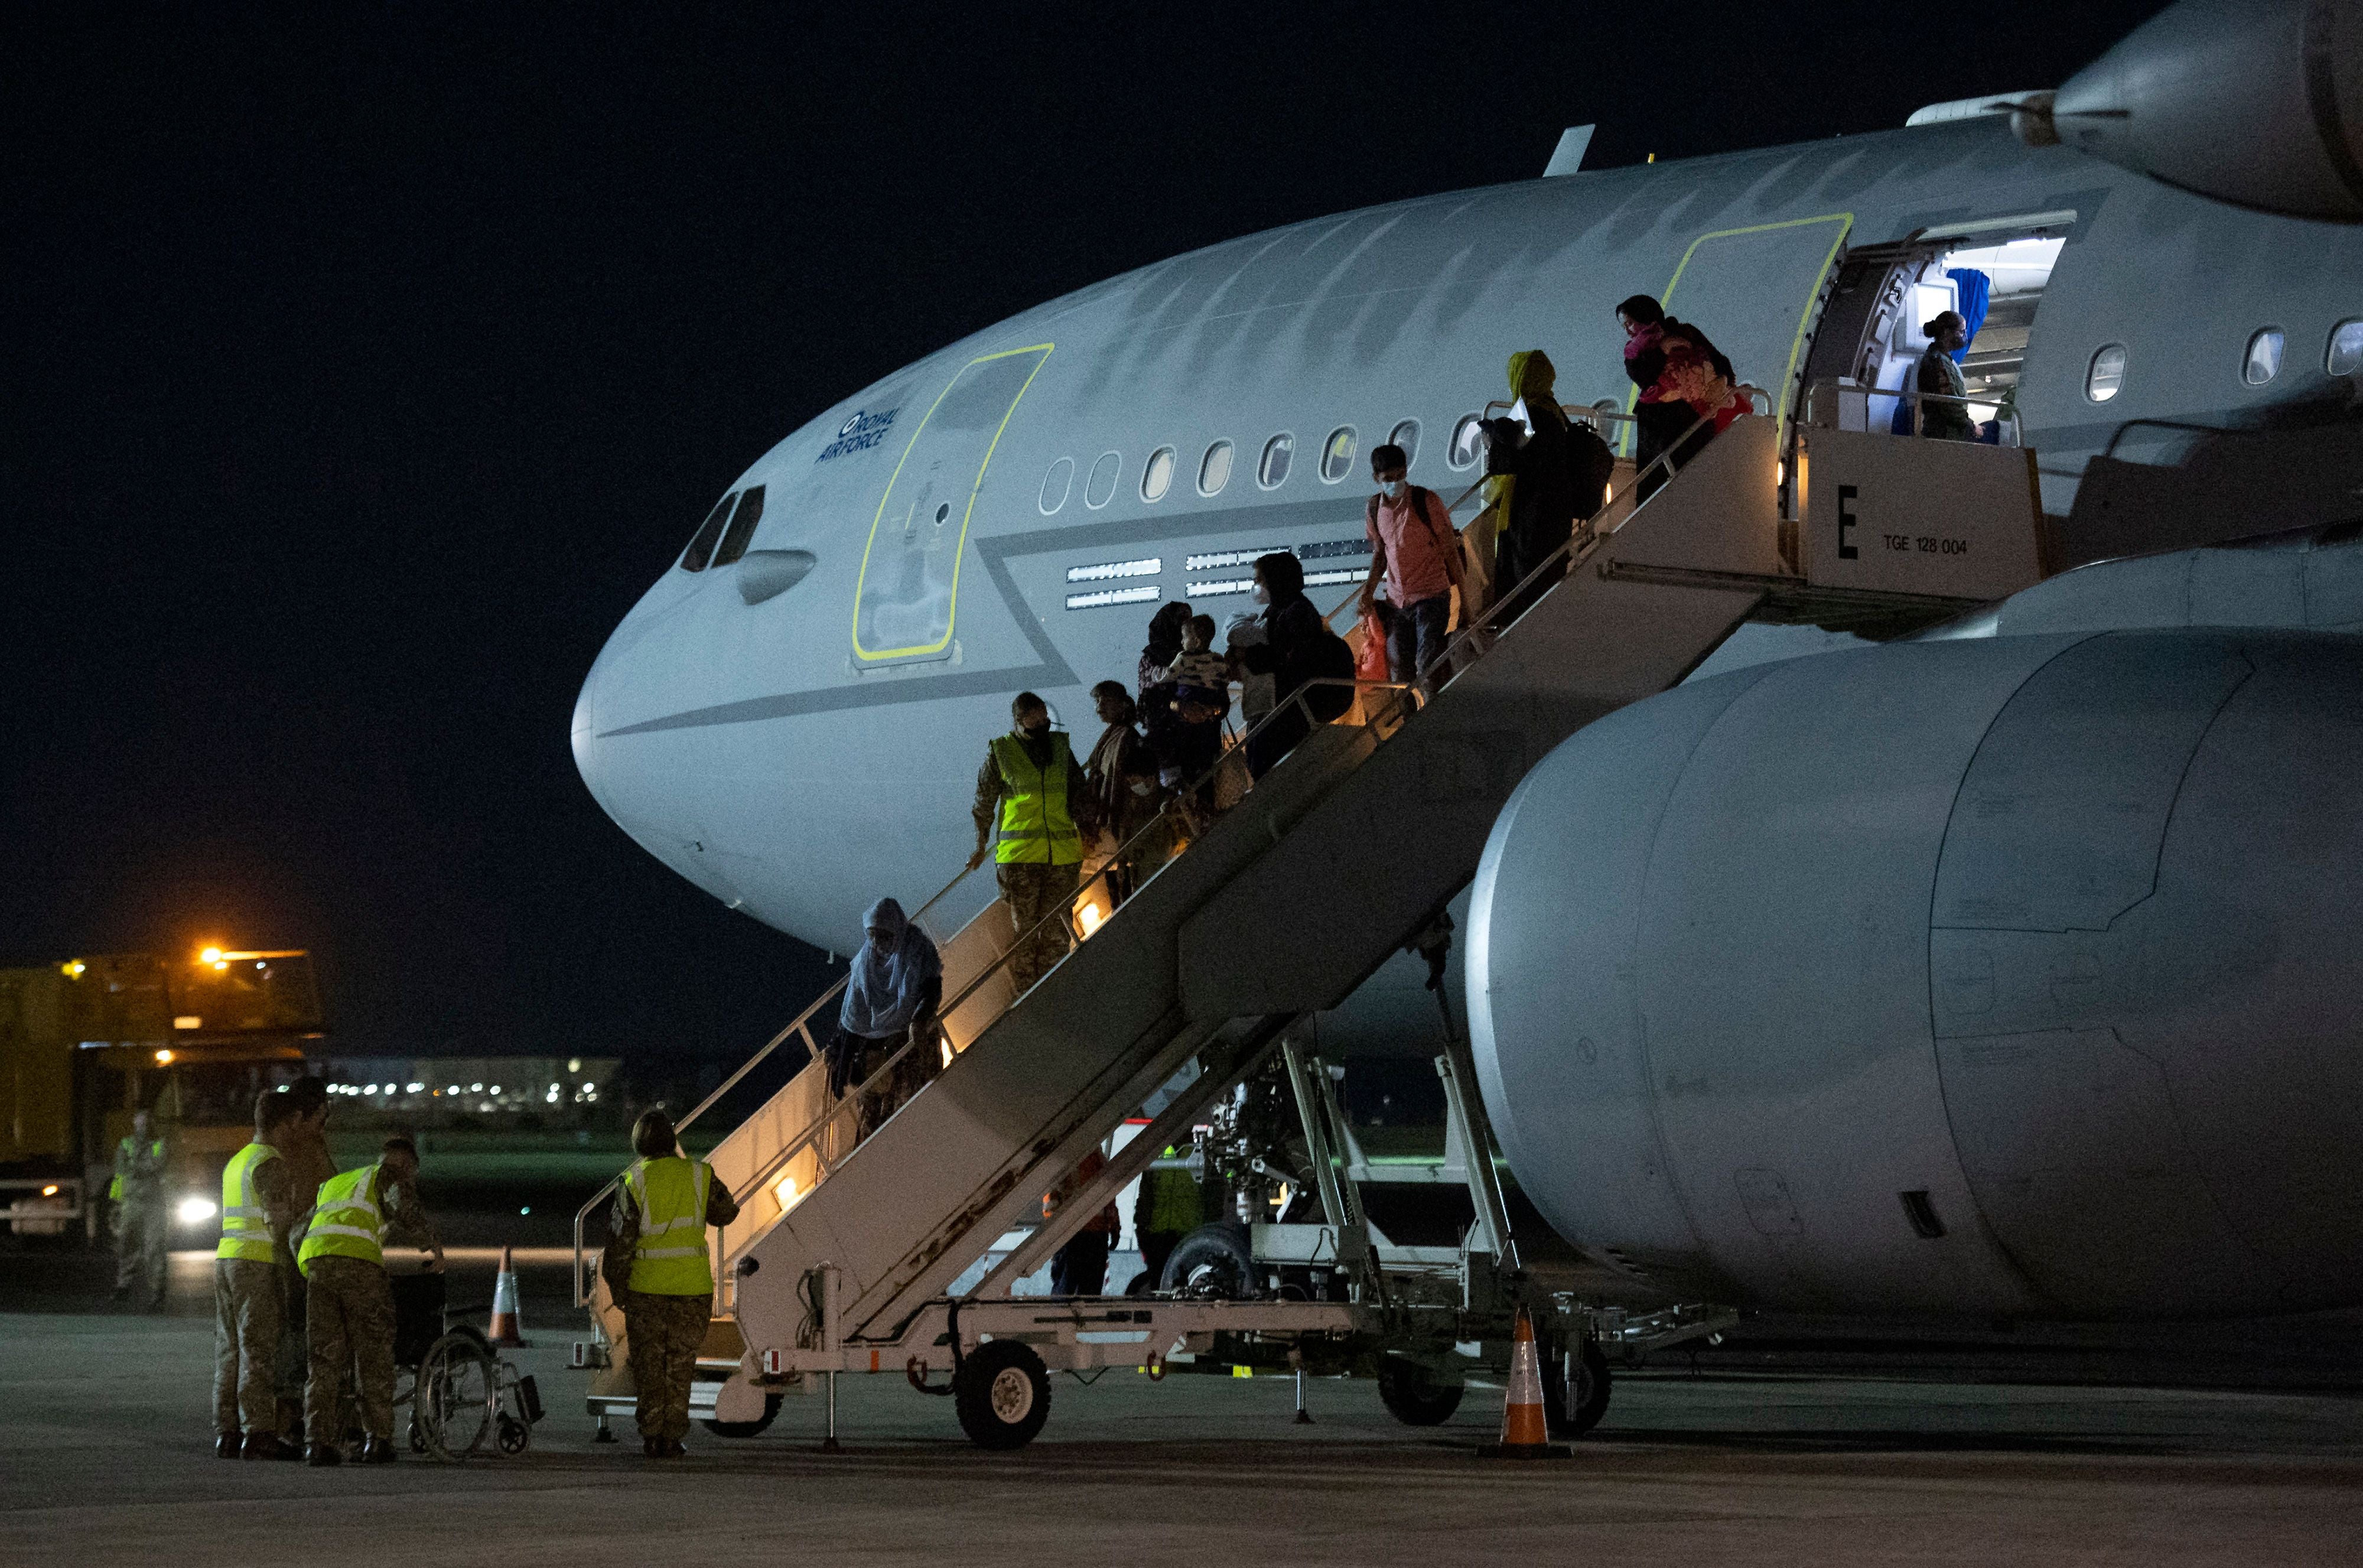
[701, 547]
[742, 526]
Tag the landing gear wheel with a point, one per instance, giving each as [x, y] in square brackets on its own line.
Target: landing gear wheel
[744, 1428]
[1414, 1396]
[1213, 1264]
[511, 1434]
[1002, 1395]
[1571, 1412]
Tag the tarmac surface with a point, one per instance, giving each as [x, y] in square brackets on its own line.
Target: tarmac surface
[1790, 1449]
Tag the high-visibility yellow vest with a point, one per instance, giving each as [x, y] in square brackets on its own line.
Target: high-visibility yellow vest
[1037, 826]
[125, 1154]
[670, 1257]
[346, 1222]
[246, 1230]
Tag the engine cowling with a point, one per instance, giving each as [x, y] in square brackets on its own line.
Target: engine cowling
[2254, 102]
[2005, 975]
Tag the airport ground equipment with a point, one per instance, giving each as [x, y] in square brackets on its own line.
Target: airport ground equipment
[86, 1042]
[851, 1238]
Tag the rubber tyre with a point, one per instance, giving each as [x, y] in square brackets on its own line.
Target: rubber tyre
[1002, 1395]
[1572, 1417]
[744, 1428]
[1413, 1396]
[1213, 1263]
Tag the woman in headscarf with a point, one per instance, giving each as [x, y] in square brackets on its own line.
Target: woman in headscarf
[1291, 653]
[1943, 415]
[1164, 642]
[1533, 492]
[1123, 778]
[891, 997]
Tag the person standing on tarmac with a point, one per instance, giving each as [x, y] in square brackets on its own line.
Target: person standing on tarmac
[350, 1309]
[259, 1203]
[1032, 783]
[303, 1145]
[665, 1202]
[142, 1225]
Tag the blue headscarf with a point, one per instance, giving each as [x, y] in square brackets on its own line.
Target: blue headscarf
[887, 986]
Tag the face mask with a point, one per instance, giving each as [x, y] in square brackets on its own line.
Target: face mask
[1390, 488]
[1038, 730]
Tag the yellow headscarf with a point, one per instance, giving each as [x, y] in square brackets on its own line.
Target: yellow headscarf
[1532, 377]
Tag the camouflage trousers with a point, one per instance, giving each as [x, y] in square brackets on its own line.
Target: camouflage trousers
[142, 1227]
[247, 1298]
[350, 1311]
[661, 1335]
[1033, 893]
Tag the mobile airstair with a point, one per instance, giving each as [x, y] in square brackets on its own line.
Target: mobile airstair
[851, 1239]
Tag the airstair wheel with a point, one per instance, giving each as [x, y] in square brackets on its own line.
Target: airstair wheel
[1002, 1395]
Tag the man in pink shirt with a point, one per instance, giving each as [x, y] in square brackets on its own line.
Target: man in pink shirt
[1415, 550]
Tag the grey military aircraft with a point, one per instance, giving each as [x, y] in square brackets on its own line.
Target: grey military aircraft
[2000, 967]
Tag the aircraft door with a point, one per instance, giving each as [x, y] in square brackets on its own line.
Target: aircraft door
[908, 590]
[1755, 291]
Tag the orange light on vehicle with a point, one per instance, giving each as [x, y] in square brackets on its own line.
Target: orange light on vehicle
[164, 1058]
[210, 955]
[50, 1191]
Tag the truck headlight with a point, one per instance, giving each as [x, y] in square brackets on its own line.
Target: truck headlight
[195, 1210]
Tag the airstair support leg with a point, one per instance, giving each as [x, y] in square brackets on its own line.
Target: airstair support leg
[1471, 1138]
[1223, 1064]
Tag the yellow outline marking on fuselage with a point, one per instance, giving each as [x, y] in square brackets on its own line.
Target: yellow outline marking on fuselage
[959, 547]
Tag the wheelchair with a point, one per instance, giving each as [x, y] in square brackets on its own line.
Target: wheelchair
[462, 1397]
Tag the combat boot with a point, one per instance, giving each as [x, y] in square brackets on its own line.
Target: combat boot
[377, 1451]
[228, 1445]
[266, 1445]
[322, 1453]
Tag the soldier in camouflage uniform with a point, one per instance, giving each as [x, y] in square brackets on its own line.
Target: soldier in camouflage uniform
[249, 1288]
[303, 1143]
[348, 1305]
[143, 1224]
[666, 1201]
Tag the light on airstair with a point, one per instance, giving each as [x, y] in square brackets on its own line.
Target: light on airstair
[947, 1048]
[1090, 915]
[786, 1192]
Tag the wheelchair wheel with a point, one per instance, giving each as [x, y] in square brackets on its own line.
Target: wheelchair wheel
[511, 1434]
[458, 1395]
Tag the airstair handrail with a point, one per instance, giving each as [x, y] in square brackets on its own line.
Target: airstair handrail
[1549, 569]
[799, 1025]
[2005, 411]
[885, 1073]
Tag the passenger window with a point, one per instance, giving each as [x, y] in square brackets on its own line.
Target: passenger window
[2107, 374]
[1468, 443]
[1277, 454]
[1100, 488]
[2264, 358]
[742, 526]
[1158, 477]
[1214, 469]
[1337, 454]
[1056, 484]
[2345, 355]
[701, 546]
[1406, 435]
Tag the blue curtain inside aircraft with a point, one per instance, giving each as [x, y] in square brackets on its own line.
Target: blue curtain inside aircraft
[1976, 295]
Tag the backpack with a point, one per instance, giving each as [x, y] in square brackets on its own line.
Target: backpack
[1419, 496]
[1330, 658]
[1589, 467]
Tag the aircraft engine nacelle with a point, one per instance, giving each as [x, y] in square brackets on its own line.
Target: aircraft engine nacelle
[2016, 975]
[2254, 102]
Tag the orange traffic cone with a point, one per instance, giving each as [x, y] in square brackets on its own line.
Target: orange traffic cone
[1525, 1434]
[504, 1332]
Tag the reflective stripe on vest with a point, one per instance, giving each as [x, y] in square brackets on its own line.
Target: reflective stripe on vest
[345, 1223]
[670, 1257]
[1038, 828]
[246, 1229]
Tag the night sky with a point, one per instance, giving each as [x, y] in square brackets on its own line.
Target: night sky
[363, 364]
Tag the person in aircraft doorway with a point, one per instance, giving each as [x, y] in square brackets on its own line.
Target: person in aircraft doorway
[1033, 808]
[895, 986]
[1939, 377]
